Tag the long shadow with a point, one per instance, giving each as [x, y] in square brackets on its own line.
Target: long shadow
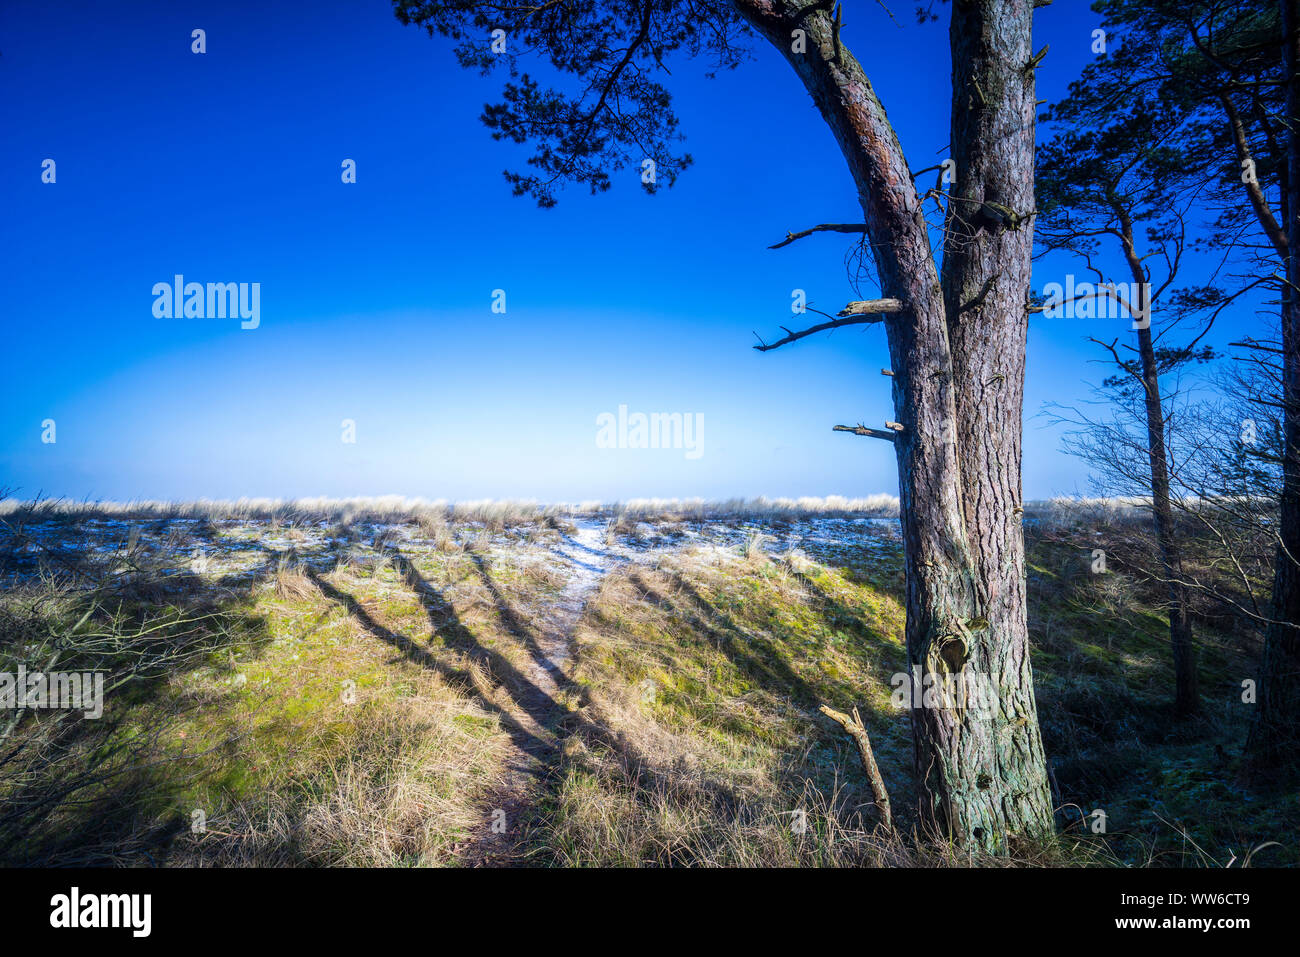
[539, 706]
[106, 828]
[833, 610]
[757, 656]
[445, 619]
[647, 779]
[764, 663]
[518, 627]
[651, 779]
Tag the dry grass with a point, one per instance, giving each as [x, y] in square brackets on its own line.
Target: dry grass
[404, 785]
[709, 761]
[499, 515]
[700, 743]
[359, 717]
[496, 515]
[291, 583]
[372, 689]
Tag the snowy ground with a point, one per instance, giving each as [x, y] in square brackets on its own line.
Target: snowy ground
[230, 550]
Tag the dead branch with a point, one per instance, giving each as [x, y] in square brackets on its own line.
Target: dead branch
[879, 307]
[822, 228]
[854, 314]
[836, 25]
[858, 731]
[863, 430]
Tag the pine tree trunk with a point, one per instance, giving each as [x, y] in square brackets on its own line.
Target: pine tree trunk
[957, 390]
[1186, 694]
[1274, 742]
[986, 281]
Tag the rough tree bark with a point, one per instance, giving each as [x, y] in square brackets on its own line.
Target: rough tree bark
[957, 352]
[1274, 740]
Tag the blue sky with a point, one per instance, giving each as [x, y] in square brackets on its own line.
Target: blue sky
[376, 296]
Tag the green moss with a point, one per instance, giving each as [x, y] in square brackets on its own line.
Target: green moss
[476, 725]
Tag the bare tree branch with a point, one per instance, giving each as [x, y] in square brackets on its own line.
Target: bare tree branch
[821, 228]
[863, 430]
[862, 313]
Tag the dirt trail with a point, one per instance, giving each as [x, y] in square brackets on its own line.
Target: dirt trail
[586, 560]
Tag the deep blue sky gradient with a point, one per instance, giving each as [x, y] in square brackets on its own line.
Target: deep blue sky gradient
[376, 296]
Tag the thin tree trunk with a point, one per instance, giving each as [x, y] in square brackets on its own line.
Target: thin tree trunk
[1186, 694]
[981, 775]
[1275, 737]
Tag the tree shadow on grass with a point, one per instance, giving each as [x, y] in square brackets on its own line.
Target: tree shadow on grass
[752, 654]
[536, 702]
[650, 783]
[116, 796]
[765, 661]
[446, 622]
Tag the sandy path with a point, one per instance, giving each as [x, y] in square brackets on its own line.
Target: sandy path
[585, 560]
